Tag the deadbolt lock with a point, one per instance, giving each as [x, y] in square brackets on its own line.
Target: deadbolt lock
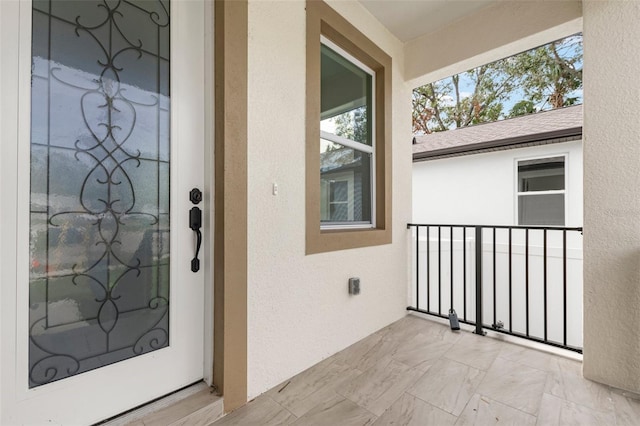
[195, 196]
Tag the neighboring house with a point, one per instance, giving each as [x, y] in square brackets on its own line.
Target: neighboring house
[521, 171]
[227, 96]
[342, 186]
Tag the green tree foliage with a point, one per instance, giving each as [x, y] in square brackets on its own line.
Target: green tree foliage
[442, 105]
[522, 107]
[542, 78]
[551, 72]
[352, 124]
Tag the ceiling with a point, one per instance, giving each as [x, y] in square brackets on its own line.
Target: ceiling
[409, 19]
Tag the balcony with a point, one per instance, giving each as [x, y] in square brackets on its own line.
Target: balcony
[417, 371]
[524, 281]
[521, 284]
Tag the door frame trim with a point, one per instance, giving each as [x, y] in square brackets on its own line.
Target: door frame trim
[230, 229]
[9, 76]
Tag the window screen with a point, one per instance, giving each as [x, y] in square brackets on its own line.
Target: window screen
[541, 192]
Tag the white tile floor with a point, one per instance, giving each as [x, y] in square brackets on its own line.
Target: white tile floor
[419, 372]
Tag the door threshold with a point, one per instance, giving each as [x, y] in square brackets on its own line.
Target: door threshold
[195, 404]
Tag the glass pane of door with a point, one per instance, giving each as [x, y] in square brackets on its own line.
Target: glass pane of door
[99, 213]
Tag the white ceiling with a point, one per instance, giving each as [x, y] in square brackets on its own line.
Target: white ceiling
[409, 19]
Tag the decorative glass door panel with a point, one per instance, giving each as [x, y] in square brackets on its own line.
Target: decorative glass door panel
[100, 173]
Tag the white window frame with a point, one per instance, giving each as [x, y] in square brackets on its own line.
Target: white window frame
[358, 146]
[519, 193]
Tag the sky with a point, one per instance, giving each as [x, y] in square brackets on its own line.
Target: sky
[467, 86]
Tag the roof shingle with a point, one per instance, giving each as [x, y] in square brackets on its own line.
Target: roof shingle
[554, 124]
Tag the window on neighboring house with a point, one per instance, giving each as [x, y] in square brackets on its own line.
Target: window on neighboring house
[339, 201]
[347, 144]
[348, 135]
[541, 192]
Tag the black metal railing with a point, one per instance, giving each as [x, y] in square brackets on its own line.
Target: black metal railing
[523, 281]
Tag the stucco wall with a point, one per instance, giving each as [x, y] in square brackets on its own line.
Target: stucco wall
[480, 188]
[612, 193]
[299, 311]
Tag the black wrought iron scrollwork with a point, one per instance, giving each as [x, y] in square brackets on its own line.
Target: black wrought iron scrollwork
[107, 203]
[53, 367]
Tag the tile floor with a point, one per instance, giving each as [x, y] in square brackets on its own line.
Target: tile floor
[419, 372]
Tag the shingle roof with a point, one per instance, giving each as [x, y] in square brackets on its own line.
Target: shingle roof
[337, 159]
[544, 127]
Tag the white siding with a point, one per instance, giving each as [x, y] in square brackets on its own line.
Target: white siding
[481, 188]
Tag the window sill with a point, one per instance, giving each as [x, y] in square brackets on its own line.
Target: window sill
[325, 240]
[346, 227]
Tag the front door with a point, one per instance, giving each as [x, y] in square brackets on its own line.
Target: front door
[103, 309]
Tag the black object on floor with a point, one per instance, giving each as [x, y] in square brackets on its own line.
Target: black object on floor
[453, 320]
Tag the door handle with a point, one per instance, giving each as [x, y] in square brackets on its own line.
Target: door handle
[195, 223]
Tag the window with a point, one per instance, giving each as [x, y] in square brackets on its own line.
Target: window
[541, 192]
[348, 122]
[339, 201]
[346, 141]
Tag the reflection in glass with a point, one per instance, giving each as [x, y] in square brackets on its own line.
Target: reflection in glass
[545, 174]
[345, 184]
[346, 98]
[346, 143]
[99, 243]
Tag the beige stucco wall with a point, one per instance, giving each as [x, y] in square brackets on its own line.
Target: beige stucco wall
[612, 193]
[299, 311]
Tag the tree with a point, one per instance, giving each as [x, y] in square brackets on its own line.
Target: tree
[541, 78]
[552, 72]
[522, 107]
[352, 124]
[443, 105]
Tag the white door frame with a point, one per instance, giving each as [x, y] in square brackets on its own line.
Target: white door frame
[15, 102]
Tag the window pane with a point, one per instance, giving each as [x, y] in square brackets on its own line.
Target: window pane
[351, 125]
[339, 191]
[545, 174]
[339, 212]
[100, 126]
[345, 178]
[539, 210]
[345, 98]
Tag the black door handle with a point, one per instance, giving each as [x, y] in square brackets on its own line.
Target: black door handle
[195, 223]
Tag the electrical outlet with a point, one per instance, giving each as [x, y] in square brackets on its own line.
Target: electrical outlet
[354, 285]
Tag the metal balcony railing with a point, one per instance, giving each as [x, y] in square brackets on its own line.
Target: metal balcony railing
[523, 281]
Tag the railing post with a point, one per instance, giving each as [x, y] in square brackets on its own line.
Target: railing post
[479, 281]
